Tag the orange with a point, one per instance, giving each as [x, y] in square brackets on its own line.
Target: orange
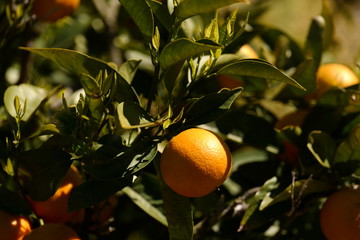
[13, 227]
[53, 10]
[246, 51]
[292, 119]
[225, 81]
[195, 162]
[290, 154]
[104, 210]
[55, 209]
[334, 75]
[52, 231]
[340, 215]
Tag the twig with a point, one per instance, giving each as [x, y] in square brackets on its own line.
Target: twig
[235, 208]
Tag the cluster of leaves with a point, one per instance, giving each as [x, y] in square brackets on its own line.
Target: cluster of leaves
[121, 113]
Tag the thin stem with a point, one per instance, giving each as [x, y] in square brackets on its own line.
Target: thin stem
[153, 87]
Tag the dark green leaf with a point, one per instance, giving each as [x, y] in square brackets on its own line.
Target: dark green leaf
[95, 191]
[189, 8]
[162, 13]
[125, 163]
[128, 69]
[305, 73]
[211, 107]
[347, 156]
[322, 146]
[257, 68]
[131, 115]
[141, 13]
[13, 202]
[46, 167]
[178, 211]
[255, 201]
[296, 191]
[182, 49]
[145, 205]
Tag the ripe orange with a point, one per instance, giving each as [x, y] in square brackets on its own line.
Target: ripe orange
[55, 209]
[13, 227]
[340, 215]
[334, 75]
[246, 51]
[195, 162]
[53, 231]
[53, 10]
[292, 119]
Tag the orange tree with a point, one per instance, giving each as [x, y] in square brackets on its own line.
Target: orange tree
[106, 88]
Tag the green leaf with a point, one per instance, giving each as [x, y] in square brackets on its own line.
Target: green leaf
[13, 202]
[212, 30]
[296, 191]
[29, 99]
[128, 69]
[131, 116]
[93, 96]
[125, 163]
[178, 211]
[347, 156]
[182, 49]
[189, 8]
[46, 167]
[257, 68]
[46, 129]
[145, 205]
[141, 13]
[162, 13]
[255, 201]
[80, 63]
[305, 73]
[227, 29]
[211, 107]
[94, 191]
[323, 147]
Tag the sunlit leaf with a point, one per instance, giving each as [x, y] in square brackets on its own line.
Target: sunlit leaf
[29, 99]
[188, 8]
[257, 68]
[182, 49]
[80, 63]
